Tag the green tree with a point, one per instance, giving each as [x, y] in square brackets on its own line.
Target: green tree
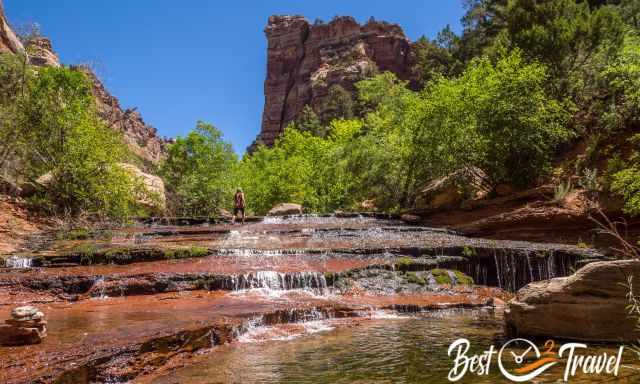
[55, 132]
[199, 172]
[435, 58]
[622, 84]
[308, 121]
[338, 104]
[626, 181]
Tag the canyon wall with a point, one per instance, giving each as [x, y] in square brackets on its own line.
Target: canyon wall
[304, 60]
[9, 42]
[141, 138]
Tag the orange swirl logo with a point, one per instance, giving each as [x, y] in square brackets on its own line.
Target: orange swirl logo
[520, 360]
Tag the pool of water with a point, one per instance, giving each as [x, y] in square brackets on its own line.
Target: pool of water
[391, 350]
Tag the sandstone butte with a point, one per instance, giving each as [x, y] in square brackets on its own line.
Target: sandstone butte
[304, 60]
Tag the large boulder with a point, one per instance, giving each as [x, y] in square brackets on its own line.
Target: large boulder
[154, 184]
[451, 190]
[589, 305]
[26, 326]
[285, 209]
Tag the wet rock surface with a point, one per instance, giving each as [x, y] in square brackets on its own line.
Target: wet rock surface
[26, 326]
[149, 260]
[589, 305]
[120, 338]
[125, 302]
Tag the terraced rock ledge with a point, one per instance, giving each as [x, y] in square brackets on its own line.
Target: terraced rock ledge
[125, 304]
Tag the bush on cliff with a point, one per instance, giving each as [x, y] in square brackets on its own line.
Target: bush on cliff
[50, 127]
[497, 117]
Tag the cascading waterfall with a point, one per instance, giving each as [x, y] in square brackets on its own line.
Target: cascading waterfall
[277, 281]
[267, 327]
[316, 219]
[18, 262]
[514, 269]
[98, 290]
[248, 252]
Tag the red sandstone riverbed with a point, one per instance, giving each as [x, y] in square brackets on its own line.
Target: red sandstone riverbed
[84, 331]
[109, 323]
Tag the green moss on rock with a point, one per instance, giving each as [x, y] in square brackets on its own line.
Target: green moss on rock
[412, 277]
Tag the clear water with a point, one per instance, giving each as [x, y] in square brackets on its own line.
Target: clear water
[400, 350]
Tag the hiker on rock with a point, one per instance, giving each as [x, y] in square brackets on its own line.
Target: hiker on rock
[238, 205]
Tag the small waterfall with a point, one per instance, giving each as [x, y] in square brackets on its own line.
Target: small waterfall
[374, 313]
[529, 265]
[98, 290]
[498, 272]
[294, 219]
[18, 262]
[270, 326]
[513, 269]
[277, 281]
[249, 252]
[317, 219]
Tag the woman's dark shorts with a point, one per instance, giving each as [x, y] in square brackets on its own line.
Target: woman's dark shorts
[238, 210]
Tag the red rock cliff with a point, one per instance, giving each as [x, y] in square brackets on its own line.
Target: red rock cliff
[304, 60]
[142, 139]
[9, 43]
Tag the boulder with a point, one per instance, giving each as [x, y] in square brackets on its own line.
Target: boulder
[27, 312]
[45, 180]
[14, 336]
[154, 184]
[589, 305]
[451, 190]
[285, 209]
[368, 205]
[410, 219]
[27, 326]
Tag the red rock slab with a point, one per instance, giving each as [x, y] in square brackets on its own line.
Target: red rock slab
[97, 328]
[209, 264]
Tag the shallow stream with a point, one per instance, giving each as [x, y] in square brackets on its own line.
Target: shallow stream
[393, 349]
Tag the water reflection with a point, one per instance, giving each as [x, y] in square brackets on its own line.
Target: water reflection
[401, 350]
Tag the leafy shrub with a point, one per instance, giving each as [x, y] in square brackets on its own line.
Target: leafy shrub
[51, 131]
[625, 178]
[561, 191]
[199, 172]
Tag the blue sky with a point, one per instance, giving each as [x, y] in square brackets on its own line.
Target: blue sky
[183, 61]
